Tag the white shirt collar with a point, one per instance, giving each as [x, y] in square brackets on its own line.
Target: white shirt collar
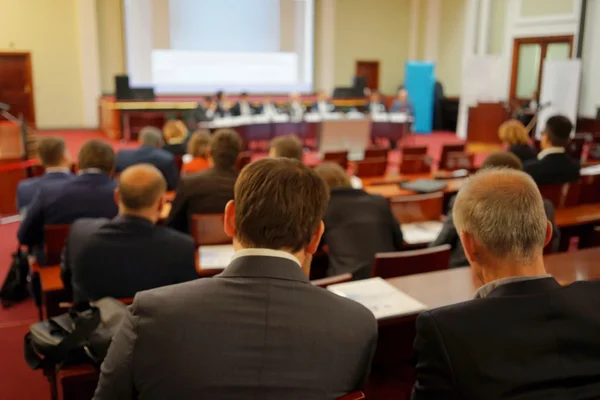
[265, 253]
[550, 150]
[90, 171]
[62, 170]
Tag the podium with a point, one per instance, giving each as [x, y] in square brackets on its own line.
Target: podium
[484, 121]
[12, 167]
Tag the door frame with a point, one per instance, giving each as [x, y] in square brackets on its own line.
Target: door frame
[374, 62]
[29, 72]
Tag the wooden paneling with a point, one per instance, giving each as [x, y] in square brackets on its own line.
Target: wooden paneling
[16, 84]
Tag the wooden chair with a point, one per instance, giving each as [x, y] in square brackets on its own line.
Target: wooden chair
[371, 167]
[418, 208]
[414, 151]
[353, 396]
[243, 159]
[417, 164]
[376, 152]
[458, 160]
[447, 149]
[338, 157]
[402, 263]
[332, 280]
[575, 147]
[562, 195]
[207, 229]
[178, 159]
[590, 189]
[55, 237]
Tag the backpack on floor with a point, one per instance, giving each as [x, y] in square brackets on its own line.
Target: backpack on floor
[15, 289]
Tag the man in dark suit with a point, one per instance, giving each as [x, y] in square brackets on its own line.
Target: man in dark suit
[523, 336]
[125, 255]
[322, 105]
[294, 108]
[208, 191]
[553, 164]
[358, 225]
[375, 105]
[223, 107]
[150, 152]
[205, 111]
[259, 330]
[89, 195]
[243, 107]
[55, 158]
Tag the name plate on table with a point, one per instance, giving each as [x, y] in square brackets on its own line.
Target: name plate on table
[381, 298]
[261, 119]
[398, 117]
[225, 122]
[421, 232]
[312, 117]
[353, 115]
[281, 118]
[215, 257]
[380, 117]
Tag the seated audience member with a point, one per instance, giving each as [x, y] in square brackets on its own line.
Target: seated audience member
[402, 104]
[295, 108]
[208, 191]
[198, 147]
[243, 107]
[286, 146]
[150, 152]
[449, 234]
[88, 195]
[375, 105]
[175, 134]
[322, 106]
[357, 225]
[205, 111]
[130, 253]
[514, 134]
[553, 164]
[55, 158]
[523, 336]
[259, 329]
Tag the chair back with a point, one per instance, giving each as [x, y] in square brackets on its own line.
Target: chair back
[449, 148]
[575, 147]
[590, 189]
[338, 157]
[562, 195]
[353, 396]
[178, 160]
[371, 167]
[376, 152]
[414, 151]
[459, 160]
[207, 229]
[402, 263]
[417, 164]
[55, 237]
[418, 208]
[243, 159]
[332, 280]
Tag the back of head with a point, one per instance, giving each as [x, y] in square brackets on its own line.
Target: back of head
[151, 136]
[199, 143]
[503, 211]
[174, 131]
[141, 187]
[96, 154]
[333, 174]
[558, 130]
[279, 204]
[51, 151]
[502, 159]
[513, 132]
[224, 148]
[286, 146]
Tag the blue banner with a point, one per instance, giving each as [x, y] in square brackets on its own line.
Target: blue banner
[420, 84]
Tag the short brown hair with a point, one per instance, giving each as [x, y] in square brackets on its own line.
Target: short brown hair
[333, 175]
[502, 159]
[199, 143]
[279, 204]
[225, 147]
[143, 188]
[558, 130]
[513, 132]
[96, 154]
[51, 150]
[174, 131]
[288, 147]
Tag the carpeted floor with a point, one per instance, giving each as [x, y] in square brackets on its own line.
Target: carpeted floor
[17, 381]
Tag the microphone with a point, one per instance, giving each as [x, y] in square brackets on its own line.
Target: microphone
[4, 107]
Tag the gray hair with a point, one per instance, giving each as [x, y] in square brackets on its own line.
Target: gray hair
[151, 136]
[504, 212]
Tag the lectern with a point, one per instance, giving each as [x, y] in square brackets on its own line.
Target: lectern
[12, 168]
[484, 121]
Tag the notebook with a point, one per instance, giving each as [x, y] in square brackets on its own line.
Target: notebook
[421, 232]
[215, 257]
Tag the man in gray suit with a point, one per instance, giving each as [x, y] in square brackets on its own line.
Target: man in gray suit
[259, 330]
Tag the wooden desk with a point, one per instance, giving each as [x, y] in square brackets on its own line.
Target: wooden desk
[394, 190]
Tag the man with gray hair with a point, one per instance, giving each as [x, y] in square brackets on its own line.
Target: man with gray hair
[523, 336]
[150, 152]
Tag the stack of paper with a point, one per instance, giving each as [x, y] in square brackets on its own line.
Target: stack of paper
[421, 232]
[215, 257]
[381, 298]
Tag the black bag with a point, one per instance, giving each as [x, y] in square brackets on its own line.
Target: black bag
[14, 288]
[424, 185]
[75, 337]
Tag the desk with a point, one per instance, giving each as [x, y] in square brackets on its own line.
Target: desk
[394, 190]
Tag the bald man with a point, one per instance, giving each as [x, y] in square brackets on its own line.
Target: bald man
[129, 253]
[523, 336]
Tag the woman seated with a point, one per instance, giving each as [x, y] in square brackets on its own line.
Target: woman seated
[357, 225]
[175, 133]
[198, 148]
[514, 133]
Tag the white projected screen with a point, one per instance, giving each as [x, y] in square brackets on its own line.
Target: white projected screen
[200, 46]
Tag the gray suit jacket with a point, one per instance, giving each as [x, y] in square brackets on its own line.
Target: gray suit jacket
[259, 330]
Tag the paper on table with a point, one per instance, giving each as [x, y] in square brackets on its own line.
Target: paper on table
[591, 170]
[398, 117]
[215, 257]
[421, 232]
[381, 298]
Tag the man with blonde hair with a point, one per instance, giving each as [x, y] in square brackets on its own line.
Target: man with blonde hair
[523, 336]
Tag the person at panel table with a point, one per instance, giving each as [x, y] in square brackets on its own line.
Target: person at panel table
[322, 105]
[375, 105]
[402, 104]
[294, 107]
[268, 107]
[223, 106]
[243, 108]
[205, 111]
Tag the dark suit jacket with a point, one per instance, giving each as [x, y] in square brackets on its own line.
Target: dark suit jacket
[526, 340]
[449, 235]
[176, 149]
[28, 188]
[553, 169]
[206, 192]
[85, 196]
[358, 225]
[236, 110]
[525, 152]
[259, 330]
[123, 256]
[221, 111]
[161, 159]
[200, 114]
[407, 107]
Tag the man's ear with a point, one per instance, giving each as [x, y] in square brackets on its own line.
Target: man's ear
[161, 203]
[548, 233]
[470, 247]
[313, 245]
[229, 219]
[116, 196]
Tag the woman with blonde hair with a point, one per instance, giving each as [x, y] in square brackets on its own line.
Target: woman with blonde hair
[514, 134]
[175, 133]
[198, 148]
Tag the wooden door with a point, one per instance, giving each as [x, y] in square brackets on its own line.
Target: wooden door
[370, 70]
[16, 86]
